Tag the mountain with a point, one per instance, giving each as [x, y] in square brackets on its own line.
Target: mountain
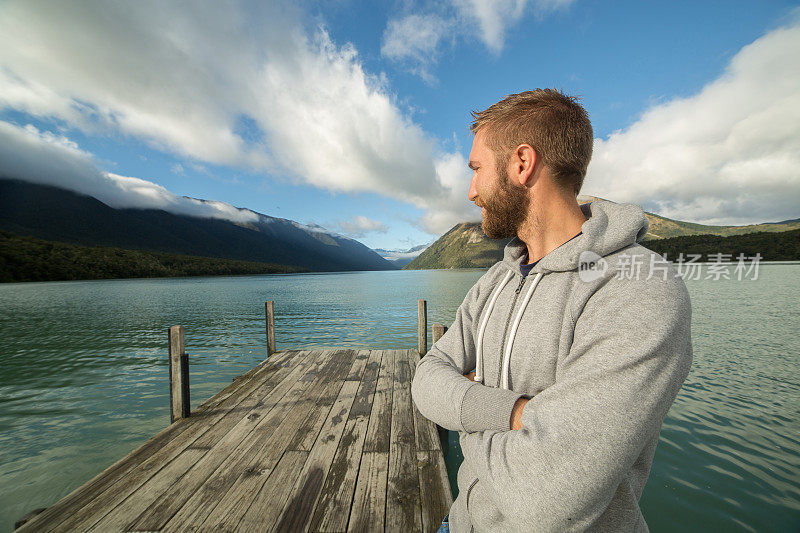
[466, 246]
[56, 214]
[662, 228]
[401, 258]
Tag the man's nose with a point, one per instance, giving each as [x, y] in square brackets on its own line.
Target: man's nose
[473, 191]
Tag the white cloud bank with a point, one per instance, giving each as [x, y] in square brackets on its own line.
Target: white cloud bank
[728, 155]
[224, 82]
[359, 225]
[47, 159]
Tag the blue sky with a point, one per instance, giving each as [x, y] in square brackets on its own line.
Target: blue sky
[354, 115]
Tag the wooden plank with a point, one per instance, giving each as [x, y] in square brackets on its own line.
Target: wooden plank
[336, 498]
[380, 420]
[309, 429]
[254, 458]
[435, 495]
[361, 357]
[369, 502]
[222, 518]
[263, 509]
[303, 498]
[158, 492]
[168, 442]
[155, 501]
[197, 491]
[281, 359]
[236, 501]
[403, 511]
[362, 407]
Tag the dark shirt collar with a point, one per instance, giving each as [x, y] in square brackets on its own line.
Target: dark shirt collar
[526, 268]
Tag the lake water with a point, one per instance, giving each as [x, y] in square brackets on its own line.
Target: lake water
[84, 377]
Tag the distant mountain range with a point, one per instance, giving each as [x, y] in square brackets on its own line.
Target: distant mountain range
[56, 214]
[466, 246]
[401, 258]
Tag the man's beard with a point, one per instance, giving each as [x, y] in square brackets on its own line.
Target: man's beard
[506, 210]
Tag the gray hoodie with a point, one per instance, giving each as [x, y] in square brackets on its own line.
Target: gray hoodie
[597, 336]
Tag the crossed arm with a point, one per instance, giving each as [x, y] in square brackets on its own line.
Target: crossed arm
[631, 353]
[516, 411]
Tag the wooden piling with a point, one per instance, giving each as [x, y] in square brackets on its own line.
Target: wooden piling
[178, 375]
[438, 331]
[270, 317]
[422, 320]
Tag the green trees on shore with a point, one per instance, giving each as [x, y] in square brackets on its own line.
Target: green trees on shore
[780, 246]
[29, 259]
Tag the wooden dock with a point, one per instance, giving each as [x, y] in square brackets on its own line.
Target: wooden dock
[312, 440]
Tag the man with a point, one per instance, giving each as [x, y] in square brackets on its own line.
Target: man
[565, 356]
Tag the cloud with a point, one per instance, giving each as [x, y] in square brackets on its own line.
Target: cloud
[415, 40]
[45, 158]
[491, 19]
[729, 154]
[358, 226]
[226, 83]
[452, 207]
[338, 128]
[394, 255]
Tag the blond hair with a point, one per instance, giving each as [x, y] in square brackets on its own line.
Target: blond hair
[555, 125]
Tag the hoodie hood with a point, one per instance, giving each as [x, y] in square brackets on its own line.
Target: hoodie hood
[609, 228]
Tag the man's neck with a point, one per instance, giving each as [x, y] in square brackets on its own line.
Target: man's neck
[557, 220]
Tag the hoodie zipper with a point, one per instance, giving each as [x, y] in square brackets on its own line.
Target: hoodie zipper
[505, 332]
[469, 490]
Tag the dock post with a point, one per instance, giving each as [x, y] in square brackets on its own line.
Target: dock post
[270, 314]
[178, 375]
[438, 331]
[422, 319]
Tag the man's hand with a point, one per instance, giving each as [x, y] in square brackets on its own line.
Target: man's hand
[470, 376]
[516, 413]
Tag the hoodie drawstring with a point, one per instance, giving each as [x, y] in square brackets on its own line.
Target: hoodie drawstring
[507, 356]
[479, 357]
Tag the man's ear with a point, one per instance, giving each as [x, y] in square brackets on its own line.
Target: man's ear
[523, 163]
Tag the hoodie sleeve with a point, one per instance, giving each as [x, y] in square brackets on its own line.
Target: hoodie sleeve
[440, 390]
[581, 436]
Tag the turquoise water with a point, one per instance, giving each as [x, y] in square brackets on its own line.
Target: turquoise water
[84, 377]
